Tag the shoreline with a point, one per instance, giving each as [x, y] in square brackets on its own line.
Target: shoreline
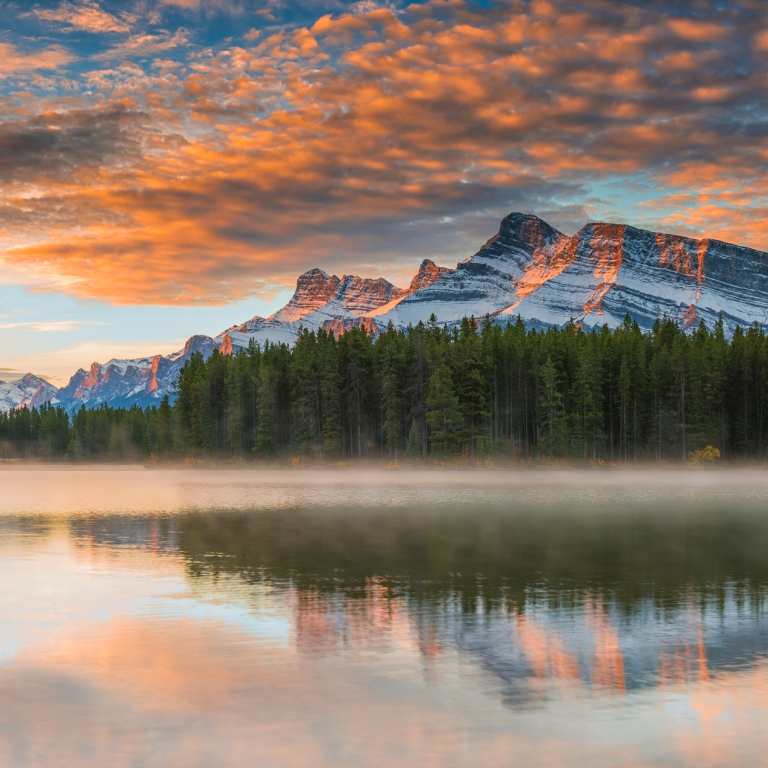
[359, 467]
[419, 465]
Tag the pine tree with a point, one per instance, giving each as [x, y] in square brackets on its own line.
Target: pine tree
[551, 403]
[392, 364]
[444, 415]
[468, 372]
[268, 432]
[413, 448]
[165, 428]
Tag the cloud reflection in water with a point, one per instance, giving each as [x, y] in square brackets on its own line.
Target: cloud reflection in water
[443, 635]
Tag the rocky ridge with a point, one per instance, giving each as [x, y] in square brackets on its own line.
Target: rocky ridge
[29, 391]
[528, 269]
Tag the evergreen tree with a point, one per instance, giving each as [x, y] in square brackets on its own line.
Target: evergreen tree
[620, 395]
[413, 448]
[444, 416]
[551, 403]
[468, 373]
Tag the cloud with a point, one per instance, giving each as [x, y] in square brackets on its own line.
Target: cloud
[230, 7]
[13, 374]
[378, 137]
[61, 363]
[51, 146]
[145, 44]
[362, 7]
[48, 326]
[761, 40]
[86, 16]
[13, 61]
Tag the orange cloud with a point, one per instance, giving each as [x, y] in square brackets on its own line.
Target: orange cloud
[13, 61]
[144, 45]
[692, 29]
[87, 16]
[344, 143]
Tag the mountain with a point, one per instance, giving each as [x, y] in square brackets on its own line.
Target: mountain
[332, 303]
[124, 383]
[29, 391]
[596, 277]
[528, 268]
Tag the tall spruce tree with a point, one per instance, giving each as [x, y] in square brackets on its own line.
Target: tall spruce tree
[444, 416]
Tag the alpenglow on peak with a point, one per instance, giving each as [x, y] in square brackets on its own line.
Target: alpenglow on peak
[528, 269]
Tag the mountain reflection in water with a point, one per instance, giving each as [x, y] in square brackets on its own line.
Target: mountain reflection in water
[564, 630]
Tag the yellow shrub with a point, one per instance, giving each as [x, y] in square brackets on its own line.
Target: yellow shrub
[704, 456]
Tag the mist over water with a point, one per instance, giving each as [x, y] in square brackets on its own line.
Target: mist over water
[197, 618]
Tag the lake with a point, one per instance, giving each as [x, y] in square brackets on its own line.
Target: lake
[184, 618]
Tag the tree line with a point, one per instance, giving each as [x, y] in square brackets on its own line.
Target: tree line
[477, 390]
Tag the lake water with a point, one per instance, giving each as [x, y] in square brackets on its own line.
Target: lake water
[298, 618]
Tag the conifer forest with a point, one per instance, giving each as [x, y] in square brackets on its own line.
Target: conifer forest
[478, 391]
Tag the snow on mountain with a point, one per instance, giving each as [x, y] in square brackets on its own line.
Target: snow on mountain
[595, 277]
[29, 391]
[608, 270]
[524, 248]
[124, 383]
[319, 301]
[528, 269]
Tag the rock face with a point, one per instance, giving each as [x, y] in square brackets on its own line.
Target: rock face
[320, 301]
[314, 289]
[29, 391]
[528, 269]
[427, 274]
[595, 277]
[124, 383]
[607, 270]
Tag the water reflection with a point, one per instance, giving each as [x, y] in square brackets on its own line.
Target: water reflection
[482, 634]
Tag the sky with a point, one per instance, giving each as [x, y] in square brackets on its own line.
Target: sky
[168, 167]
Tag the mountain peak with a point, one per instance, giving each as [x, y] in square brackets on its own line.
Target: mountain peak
[528, 228]
[520, 234]
[314, 272]
[313, 289]
[316, 278]
[427, 274]
[29, 391]
[517, 218]
[198, 343]
[30, 380]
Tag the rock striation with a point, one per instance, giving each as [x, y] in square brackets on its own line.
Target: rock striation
[29, 391]
[124, 383]
[528, 269]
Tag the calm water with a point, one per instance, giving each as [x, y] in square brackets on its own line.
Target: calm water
[428, 619]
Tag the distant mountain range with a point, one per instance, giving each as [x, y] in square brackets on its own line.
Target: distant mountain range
[30, 391]
[528, 269]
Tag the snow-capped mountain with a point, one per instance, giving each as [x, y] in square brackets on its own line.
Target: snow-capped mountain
[123, 383]
[528, 269]
[595, 277]
[332, 303]
[29, 391]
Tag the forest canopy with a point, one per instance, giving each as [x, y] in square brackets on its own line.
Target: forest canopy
[479, 390]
